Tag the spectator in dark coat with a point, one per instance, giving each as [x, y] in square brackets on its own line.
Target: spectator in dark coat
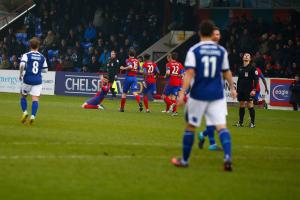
[295, 90]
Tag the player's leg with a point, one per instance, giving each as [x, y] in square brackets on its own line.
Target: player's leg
[241, 114]
[134, 88]
[25, 89]
[251, 113]
[126, 86]
[193, 113]
[167, 100]
[216, 113]
[145, 97]
[209, 132]
[35, 94]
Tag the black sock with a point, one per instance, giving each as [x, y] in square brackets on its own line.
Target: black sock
[252, 114]
[242, 113]
[295, 106]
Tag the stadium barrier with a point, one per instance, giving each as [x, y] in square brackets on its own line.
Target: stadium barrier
[86, 84]
[9, 82]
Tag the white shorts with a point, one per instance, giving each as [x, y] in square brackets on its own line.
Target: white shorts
[33, 90]
[214, 111]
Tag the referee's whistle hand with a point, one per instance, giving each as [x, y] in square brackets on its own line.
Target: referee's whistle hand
[233, 94]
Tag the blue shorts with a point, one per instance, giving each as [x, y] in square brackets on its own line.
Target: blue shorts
[130, 82]
[151, 87]
[172, 90]
[257, 94]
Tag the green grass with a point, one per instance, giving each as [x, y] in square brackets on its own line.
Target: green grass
[72, 153]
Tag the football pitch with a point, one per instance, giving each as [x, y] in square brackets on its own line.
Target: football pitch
[73, 153]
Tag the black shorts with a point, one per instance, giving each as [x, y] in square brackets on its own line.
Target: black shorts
[244, 96]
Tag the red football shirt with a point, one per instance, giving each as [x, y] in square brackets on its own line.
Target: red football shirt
[134, 63]
[150, 69]
[176, 71]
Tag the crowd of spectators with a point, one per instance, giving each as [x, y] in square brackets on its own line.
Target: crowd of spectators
[275, 47]
[80, 38]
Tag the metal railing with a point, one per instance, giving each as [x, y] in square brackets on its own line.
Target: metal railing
[16, 13]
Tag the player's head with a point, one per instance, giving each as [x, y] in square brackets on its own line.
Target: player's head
[172, 56]
[216, 36]
[105, 78]
[147, 57]
[113, 54]
[34, 43]
[206, 28]
[246, 57]
[131, 52]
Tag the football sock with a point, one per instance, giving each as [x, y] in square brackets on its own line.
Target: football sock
[24, 104]
[123, 101]
[175, 107]
[209, 131]
[146, 101]
[225, 139]
[34, 107]
[188, 140]
[168, 103]
[241, 113]
[89, 106]
[138, 98]
[252, 114]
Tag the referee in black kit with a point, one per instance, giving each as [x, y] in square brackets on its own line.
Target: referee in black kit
[113, 67]
[246, 84]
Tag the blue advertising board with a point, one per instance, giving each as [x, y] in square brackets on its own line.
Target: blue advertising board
[86, 84]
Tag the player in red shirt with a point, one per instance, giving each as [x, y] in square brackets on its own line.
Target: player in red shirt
[130, 82]
[150, 72]
[257, 93]
[174, 72]
[95, 102]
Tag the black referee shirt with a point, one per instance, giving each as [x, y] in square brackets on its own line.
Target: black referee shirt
[247, 78]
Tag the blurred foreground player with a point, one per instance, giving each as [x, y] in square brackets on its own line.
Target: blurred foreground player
[95, 102]
[210, 129]
[150, 71]
[206, 63]
[33, 64]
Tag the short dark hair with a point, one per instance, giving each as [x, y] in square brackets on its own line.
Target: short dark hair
[206, 28]
[131, 52]
[105, 76]
[216, 28]
[147, 56]
[34, 43]
[174, 55]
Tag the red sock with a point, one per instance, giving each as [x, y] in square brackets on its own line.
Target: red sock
[138, 98]
[88, 106]
[123, 100]
[168, 102]
[157, 96]
[175, 107]
[146, 101]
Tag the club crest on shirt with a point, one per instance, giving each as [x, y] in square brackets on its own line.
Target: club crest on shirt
[246, 74]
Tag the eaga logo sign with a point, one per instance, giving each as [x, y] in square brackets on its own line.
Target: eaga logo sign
[279, 92]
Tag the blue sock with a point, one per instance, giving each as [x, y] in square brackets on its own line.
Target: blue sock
[34, 108]
[210, 133]
[225, 139]
[188, 140]
[23, 104]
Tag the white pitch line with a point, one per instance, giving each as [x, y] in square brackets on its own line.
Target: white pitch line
[102, 156]
[139, 144]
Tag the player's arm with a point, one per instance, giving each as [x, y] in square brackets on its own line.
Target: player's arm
[265, 83]
[22, 66]
[190, 63]
[255, 80]
[228, 75]
[45, 67]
